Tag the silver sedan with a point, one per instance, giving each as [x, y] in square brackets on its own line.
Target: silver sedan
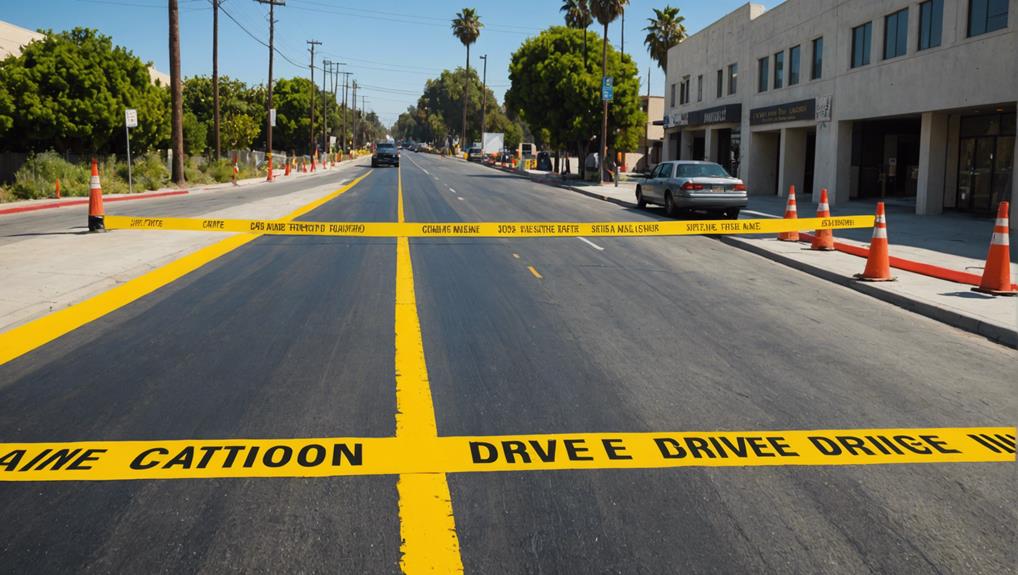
[686, 186]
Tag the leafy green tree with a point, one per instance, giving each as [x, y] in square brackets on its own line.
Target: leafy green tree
[236, 100]
[552, 90]
[292, 100]
[664, 30]
[466, 27]
[606, 12]
[195, 134]
[238, 131]
[68, 92]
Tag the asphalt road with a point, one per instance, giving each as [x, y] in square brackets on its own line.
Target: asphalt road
[293, 337]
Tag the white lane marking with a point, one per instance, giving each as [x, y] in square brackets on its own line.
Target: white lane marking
[451, 190]
[459, 197]
[761, 214]
[590, 243]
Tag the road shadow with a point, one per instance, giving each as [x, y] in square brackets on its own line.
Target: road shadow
[31, 234]
[969, 295]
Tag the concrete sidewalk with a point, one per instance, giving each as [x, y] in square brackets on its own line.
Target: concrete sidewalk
[53, 271]
[954, 241]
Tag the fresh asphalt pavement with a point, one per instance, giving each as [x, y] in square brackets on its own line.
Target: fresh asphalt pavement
[292, 337]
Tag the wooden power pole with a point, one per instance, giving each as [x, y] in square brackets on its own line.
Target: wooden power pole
[215, 72]
[311, 131]
[176, 99]
[268, 103]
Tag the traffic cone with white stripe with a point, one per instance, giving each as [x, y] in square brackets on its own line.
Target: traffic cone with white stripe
[96, 212]
[791, 213]
[287, 172]
[823, 239]
[997, 273]
[878, 264]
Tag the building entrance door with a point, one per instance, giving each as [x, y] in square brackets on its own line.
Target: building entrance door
[808, 168]
[984, 172]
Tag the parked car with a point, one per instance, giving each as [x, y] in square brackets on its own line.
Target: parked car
[687, 186]
[475, 154]
[385, 153]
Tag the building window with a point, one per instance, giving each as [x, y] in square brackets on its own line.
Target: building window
[673, 95]
[684, 91]
[762, 72]
[817, 71]
[699, 88]
[793, 65]
[862, 37]
[733, 76]
[896, 34]
[987, 16]
[779, 70]
[931, 23]
[721, 83]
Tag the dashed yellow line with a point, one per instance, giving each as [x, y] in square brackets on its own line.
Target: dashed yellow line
[24, 338]
[535, 273]
[427, 528]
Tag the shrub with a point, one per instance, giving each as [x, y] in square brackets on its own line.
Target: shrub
[37, 177]
[6, 195]
[150, 172]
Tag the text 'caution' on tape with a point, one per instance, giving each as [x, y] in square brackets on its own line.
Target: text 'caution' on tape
[489, 229]
[185, 459]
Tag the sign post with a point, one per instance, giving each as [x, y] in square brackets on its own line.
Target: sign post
[130, 121]
[608, 89]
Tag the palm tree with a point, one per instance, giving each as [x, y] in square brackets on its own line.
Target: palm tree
[577, 15]
[606, 12]
[466, 27]
[665, 31]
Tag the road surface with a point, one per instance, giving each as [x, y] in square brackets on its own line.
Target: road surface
[292, 337]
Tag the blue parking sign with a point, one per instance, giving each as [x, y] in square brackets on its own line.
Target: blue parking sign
[607, 89]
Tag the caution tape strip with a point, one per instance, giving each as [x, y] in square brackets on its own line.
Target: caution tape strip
[327, 457]
[489, 229]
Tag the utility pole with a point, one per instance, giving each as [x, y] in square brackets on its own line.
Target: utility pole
[364, 114]
[622, 43]
[215, 72]
[326, 70]
[268, 105]
[484, 95]
[346, 109]
[311, 131]
[176, 97]
[356, 119]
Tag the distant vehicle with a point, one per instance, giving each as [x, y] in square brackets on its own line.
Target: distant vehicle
[385, 153]
[528, 150]
[688, 186]
[475, 154]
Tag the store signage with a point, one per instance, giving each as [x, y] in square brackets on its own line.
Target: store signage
[730, 114]
[791, 112]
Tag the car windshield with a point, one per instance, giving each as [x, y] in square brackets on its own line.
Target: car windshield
[386, 147]
[701, 171]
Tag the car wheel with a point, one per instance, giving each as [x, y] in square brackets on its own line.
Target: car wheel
[640, 202]
[670, 206]
[374, 165]
[731, 213]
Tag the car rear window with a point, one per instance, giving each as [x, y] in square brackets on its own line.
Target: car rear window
[386, 147]
[701, 171]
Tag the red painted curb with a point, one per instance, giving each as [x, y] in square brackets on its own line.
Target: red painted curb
[929, 270]
[20, 209]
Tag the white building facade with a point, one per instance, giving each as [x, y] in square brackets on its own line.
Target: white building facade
[866, 98]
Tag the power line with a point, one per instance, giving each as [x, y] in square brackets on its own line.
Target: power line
[257, 39]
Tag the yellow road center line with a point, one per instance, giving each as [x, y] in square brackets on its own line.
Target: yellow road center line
[26, 337]
[400, 217]
[427, 527]
[534, 272]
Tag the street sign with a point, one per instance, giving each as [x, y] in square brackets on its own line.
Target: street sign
[272, 117]
[332, 142]
[131, 118]
[607, 89]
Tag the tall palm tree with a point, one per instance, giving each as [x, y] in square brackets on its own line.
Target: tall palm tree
[606, 12]
[466, 27]
[664, 31]
[577, 15]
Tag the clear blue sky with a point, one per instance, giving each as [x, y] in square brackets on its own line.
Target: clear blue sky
[391, 48]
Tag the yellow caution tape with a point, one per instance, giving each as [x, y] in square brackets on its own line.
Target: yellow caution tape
[489, 229]
[326, 457]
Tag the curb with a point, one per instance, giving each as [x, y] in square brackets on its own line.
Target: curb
[995, 333]
[21, 209]
[564, 186]
[992, 332]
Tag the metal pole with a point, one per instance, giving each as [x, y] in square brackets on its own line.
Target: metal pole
[130, 176]
[326, 70]
[484, 95]
[311, 128]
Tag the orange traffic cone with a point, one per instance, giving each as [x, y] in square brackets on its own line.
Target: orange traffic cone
[878, 264]
[236, 170]
[312, 163]
[823, 239]
[57, 190]
[287, 172]
[791, 213]
[997, 273]
[96, 213]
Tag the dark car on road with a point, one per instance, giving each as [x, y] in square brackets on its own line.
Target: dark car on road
[385, 154]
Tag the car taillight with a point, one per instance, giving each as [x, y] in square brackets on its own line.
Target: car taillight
[691, 186]
[739, 187]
